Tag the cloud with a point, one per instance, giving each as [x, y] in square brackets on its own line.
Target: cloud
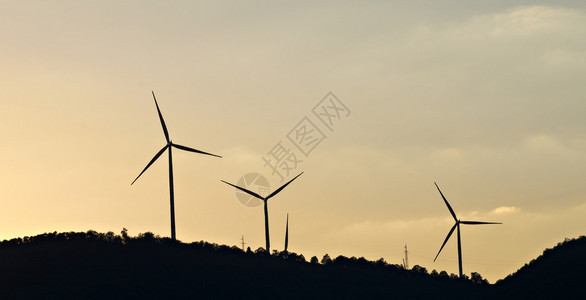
[395, 227]
[529, 20]
[543, 143]
[505, 210]
[392, 226]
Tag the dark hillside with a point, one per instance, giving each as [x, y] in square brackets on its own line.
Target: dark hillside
[95, 265]
[558, 273]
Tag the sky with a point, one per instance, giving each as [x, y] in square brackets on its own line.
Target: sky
[486, 98]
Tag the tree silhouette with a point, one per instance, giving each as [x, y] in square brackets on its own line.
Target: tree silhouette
[326, 260]
[419, 269]
[124, 234]
[477, 278]
[381, 263]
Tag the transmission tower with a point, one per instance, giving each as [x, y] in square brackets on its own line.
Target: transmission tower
[242, 242]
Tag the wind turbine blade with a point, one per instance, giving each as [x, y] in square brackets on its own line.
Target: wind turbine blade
[445, 241]
[193, 150]
[282, 187]
[287, 233]
[446, 201]
[151, 162]
[477, 223]
[161, 118]
[245, 190]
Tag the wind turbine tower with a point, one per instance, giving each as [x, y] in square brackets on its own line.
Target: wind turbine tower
[287, 234]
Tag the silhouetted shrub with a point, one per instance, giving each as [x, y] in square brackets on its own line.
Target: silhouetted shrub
[381, 263]
[362, 261]
[284, 255]
[419, 269]
[148, 237]
[340, 260]
[124, 234]
[92, 235]
[300, 258]
[477, 278]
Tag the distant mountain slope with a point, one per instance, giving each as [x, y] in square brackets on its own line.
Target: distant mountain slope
[95, 265]
[558, 273]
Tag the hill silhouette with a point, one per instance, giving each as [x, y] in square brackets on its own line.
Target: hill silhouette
[106, 265]
[560, 272]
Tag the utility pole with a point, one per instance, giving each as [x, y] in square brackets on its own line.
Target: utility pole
[242, 242]
[406, 261]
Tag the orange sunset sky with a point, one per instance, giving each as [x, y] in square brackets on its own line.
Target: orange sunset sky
[487, 99]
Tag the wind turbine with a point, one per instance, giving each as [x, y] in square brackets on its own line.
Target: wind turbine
[457, 225]
[265, 200]
[169, 147]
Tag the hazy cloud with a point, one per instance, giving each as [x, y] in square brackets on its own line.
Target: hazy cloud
[505, 210]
